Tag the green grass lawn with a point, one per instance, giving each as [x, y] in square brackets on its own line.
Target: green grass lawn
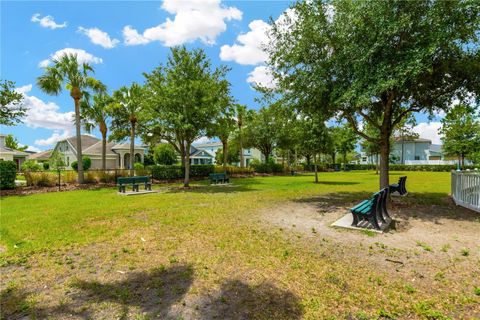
[209, 239]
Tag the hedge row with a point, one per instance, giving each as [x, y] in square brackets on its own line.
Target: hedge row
[419, 167]
[163, 172]
[269, 167]
[8, 172]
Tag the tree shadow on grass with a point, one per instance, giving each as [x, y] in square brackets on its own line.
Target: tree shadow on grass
[152, 292]
[206, 188]
[426, 206]
[338, 183]
[238, 300]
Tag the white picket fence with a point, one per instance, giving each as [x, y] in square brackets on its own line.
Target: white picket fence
[466, 189]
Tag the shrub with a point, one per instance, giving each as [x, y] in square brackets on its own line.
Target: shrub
[177, 172]
[87, 163]
[30, 165]
[69, 176]
[404, 167]
[46, 166]
[164, 154]
[8, 172]
[268, 167]
[41, 179]
[234, 170]
[138, 166]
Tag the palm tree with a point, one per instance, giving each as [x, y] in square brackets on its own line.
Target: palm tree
[125, 112]
[67, 70]
[95, 114]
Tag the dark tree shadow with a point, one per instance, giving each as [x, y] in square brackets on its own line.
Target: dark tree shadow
[426, 206]
[152, 292]
[238, 300]
[338, 183]
[207, 188]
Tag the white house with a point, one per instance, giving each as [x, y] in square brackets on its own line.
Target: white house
[117, 156]
[411, 152]
[204, 153]
[9, 154]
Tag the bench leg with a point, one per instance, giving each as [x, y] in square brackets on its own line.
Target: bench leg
[355, 220]
[135, 187]
[121, 189]
[148, 186]
[373, 220]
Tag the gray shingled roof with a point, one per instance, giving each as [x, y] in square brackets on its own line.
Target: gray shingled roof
[43, 155]
[15, 152]
[97, 148]
[87, 141]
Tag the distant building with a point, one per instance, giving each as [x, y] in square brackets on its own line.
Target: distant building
[9, 154]
[204, 153]
[117, 156]
[41, 157]
[411, 152]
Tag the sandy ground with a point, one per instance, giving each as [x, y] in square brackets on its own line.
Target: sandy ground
[444, 233]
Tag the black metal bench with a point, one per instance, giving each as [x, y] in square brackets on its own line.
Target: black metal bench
[373, 211]
[399, 187]
[219, 177]
[122, 182]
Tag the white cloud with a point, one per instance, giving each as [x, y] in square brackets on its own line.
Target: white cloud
[193, 19]
[47, 116]
[47, 21]
[24, 89]
[53, 139]
[261, 76]
[82, 56]
[33, 148]
[429, 131]
[99, 37]
[249, 51]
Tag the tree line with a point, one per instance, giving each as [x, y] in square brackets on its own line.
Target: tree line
[366, 66]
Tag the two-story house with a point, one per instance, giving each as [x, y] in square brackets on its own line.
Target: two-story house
[204, 153]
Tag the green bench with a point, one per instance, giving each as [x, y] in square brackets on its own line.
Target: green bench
[373, 211]
[219, 177]
[399, 187]
[122, 182]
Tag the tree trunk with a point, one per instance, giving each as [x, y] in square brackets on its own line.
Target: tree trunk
[384, 165]
[333, 158]
[132, 147]
[316, 167]
[376, 164]
[186, 181]
[103, 130]
[225, 153]
[79, 139]
[307, 157]
[242, 160]
[344, 161]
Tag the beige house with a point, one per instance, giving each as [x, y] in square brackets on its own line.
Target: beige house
[40, 157]
[117, 156]
[8, 154]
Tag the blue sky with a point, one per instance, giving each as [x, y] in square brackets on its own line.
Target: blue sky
[123, 39]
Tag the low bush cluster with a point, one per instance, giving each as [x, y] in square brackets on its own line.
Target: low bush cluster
[41, 178]
[8, 172]
[234, 170]
[163, 172]
[268, 167]
[404, 167]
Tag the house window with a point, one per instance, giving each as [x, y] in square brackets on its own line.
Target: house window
[417, 157]
[66, 147]
[68, 161]
[364, 159]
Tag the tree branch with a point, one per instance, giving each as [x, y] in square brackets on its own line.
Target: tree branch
[353, 123]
